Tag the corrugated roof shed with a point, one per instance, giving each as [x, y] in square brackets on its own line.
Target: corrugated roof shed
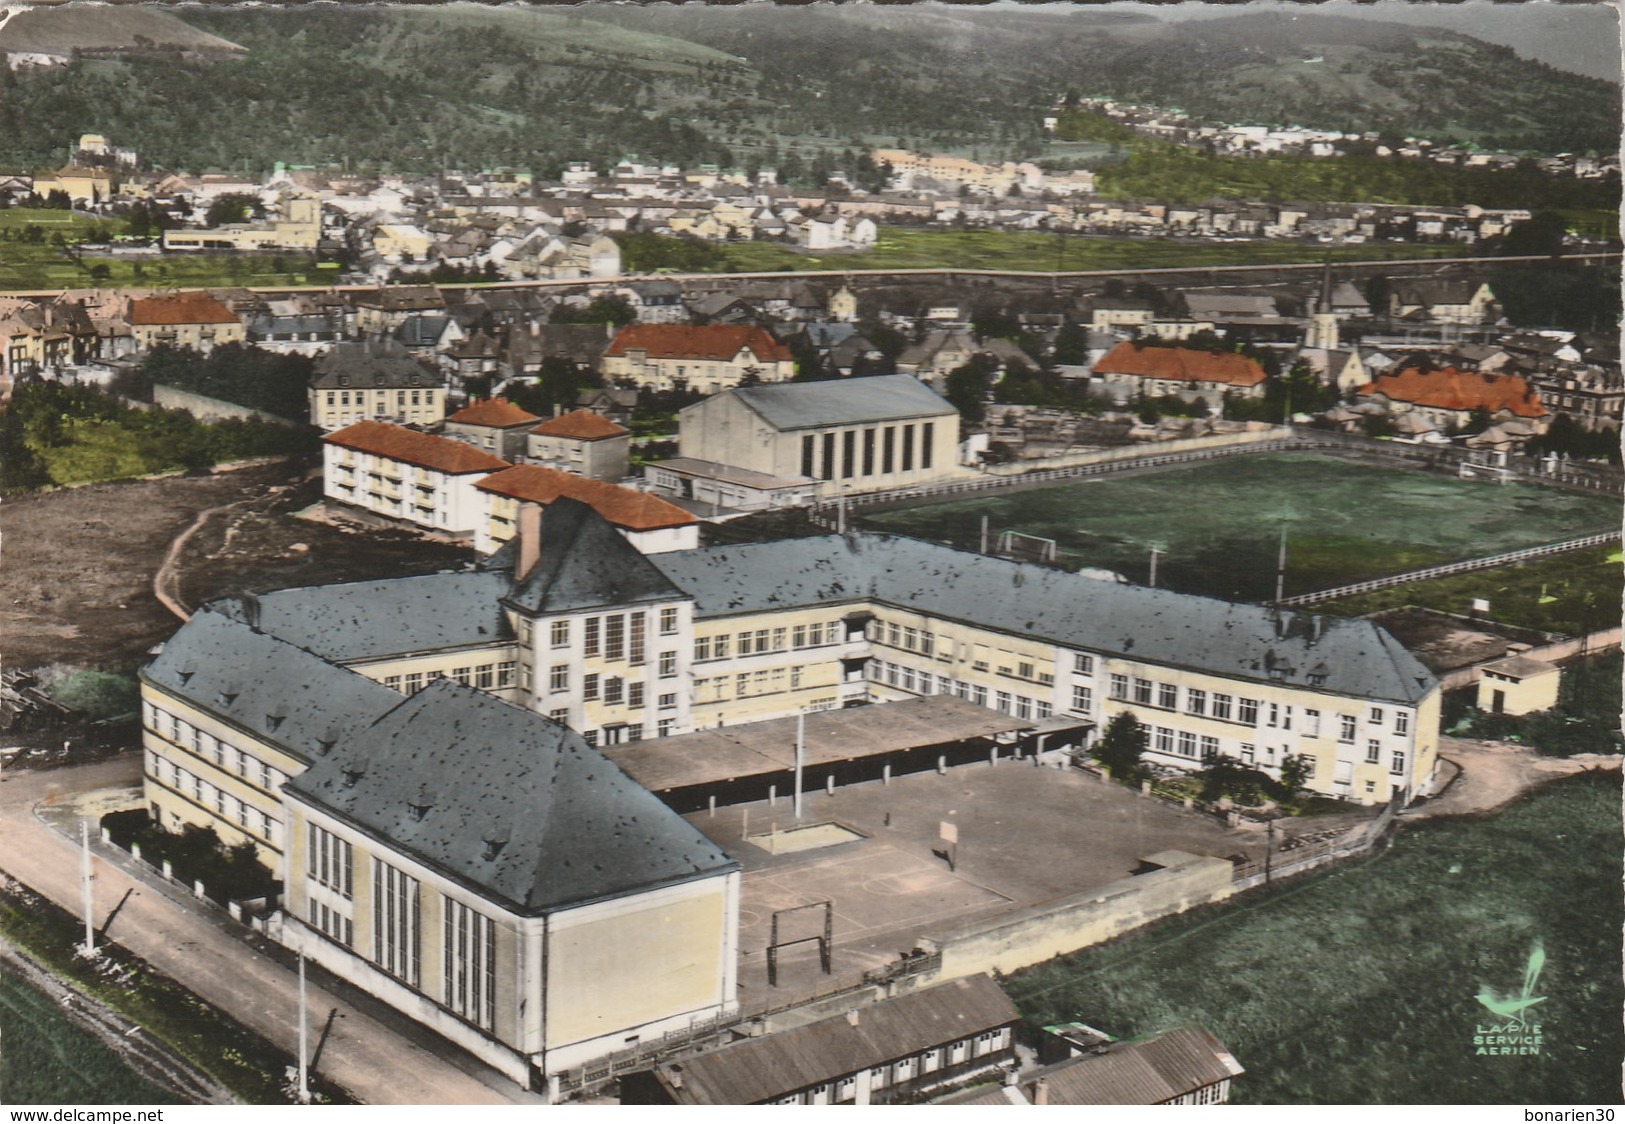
[764, 1069]
[505, 802]
[879, 398]
[1239, 641]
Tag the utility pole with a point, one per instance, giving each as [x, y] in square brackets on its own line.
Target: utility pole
[304, 1034]
[1154, 552]
[984, 535]
[84, 877]
[801, 753]
[1280, 567]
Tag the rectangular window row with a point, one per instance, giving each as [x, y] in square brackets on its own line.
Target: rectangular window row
[220, 752]
[228, 807]
[498, 676]
[763, 640]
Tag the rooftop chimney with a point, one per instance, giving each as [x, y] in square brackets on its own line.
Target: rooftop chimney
[852, 1017]
[1041, 1091]
[530, 539]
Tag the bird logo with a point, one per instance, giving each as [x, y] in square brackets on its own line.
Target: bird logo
[1514, 1010]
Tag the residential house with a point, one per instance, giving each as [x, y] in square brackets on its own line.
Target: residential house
[493, 424]
[882, 1053]
[1132, 369]
[1449, 397]
[307, 334]
[376, 379]
[937, 355]
[707, 358]
[380, 312]
[1187, 1066]
[1445, 300]
[651, 524]
[194, 320]
[1120, 312]
[583, 442]
[406, 476]
[851, 435]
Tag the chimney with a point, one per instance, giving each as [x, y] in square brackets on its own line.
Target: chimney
[1041, 1091]
[530, 540]
[852, 1018]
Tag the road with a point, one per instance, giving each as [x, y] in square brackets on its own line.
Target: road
[380, 1057]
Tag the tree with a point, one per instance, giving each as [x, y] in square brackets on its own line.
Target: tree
[1294, 774]
[1121, 748]
[21, 469]
[229, 209]
[968, 386]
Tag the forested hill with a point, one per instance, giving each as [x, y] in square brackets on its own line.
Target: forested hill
[422, 88]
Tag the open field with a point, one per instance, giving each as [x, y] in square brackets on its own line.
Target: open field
[1358, 985]
[1219, 523]
[1568, 593]
[49, 1060]
[27, 265]
[906, 247]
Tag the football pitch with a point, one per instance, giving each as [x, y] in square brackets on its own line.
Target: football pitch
[1217, 526]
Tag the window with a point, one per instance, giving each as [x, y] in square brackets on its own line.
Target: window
[1024, 707]
[1001, 702]
[505, 673]
[668, 617]
[702, 648]
[1402, 722]
[1210, 747]
[1345, 727]
[1167, 696]
[1275, 714]
[327, 861]
[927, 429]
[719, 647]
[668, 702]
[1247, 711]
[1119, 687]
[1082, 664]
[613, 690]
[396, 922]
[413, 682]
[615, 637]
[664, 727]
[1376, 716]
[778, 640]
[558, 677]
[589, 687]
[1247, 753]
[1142, 691]
[461, 675]
[561, 716]
[634, 694]
[668, 665]
[634, 639]
[1083, 699]
[1221, 707]
[1397, 765]
[559, 634]
[1196, 701]
[1164, 739]
[1024, 669]
[1187, 744]
[1373, 751]
[469, 969]
[589, 637]
[1311, 723]
[484, 676]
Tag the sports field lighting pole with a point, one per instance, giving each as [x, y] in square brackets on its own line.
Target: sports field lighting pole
[304, 1035]
[1156, 550]
[801, 753]
[1280, 567]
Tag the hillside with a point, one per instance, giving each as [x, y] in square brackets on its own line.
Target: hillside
[65, 29]
[426, 87]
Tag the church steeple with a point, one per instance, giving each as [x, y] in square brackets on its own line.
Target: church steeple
[1323, 324]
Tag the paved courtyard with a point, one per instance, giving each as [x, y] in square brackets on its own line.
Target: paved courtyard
[1027, 834]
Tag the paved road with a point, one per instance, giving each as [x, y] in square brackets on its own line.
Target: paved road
[379, 1057]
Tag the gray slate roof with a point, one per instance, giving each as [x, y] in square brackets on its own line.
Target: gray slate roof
[843, 401]
[274, 690]
[1240, 641]
[395, 616]
[1150, 1072]
[505, 802]
[372, 364]
[585, 563]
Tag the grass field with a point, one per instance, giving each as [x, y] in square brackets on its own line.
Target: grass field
[906, 247]
[1220, 522]
[49, 1060]
[1358, 985]
[1567, 593]
[26, 265]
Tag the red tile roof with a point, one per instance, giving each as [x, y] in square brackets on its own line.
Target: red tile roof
[719, 342]
[1181, 364]
[455, 458]
[636, 511]
[496, 412]
[583, 425]
[182, 308]
[1451, 389]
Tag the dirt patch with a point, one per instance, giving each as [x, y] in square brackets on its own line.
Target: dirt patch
[1444, 642]
[76, 583]
[1494, 774]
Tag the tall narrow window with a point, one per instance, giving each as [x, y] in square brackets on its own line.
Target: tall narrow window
[808, 450]
[826, 470]
[849, 450]
[908, 448]
[634, 638]
[396, 922]
[589, 639]
[615, 637]
[927, 429]
[469, 956]
[868, 452]
[888, 448]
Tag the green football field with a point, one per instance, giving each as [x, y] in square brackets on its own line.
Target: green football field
[1218, 524]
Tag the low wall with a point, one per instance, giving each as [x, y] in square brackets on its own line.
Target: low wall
[1596, 644]
[207, 409]
[1043, 932]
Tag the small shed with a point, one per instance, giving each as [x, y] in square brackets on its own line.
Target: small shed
[1518, 685]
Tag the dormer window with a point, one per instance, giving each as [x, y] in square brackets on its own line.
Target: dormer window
[344, 380]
